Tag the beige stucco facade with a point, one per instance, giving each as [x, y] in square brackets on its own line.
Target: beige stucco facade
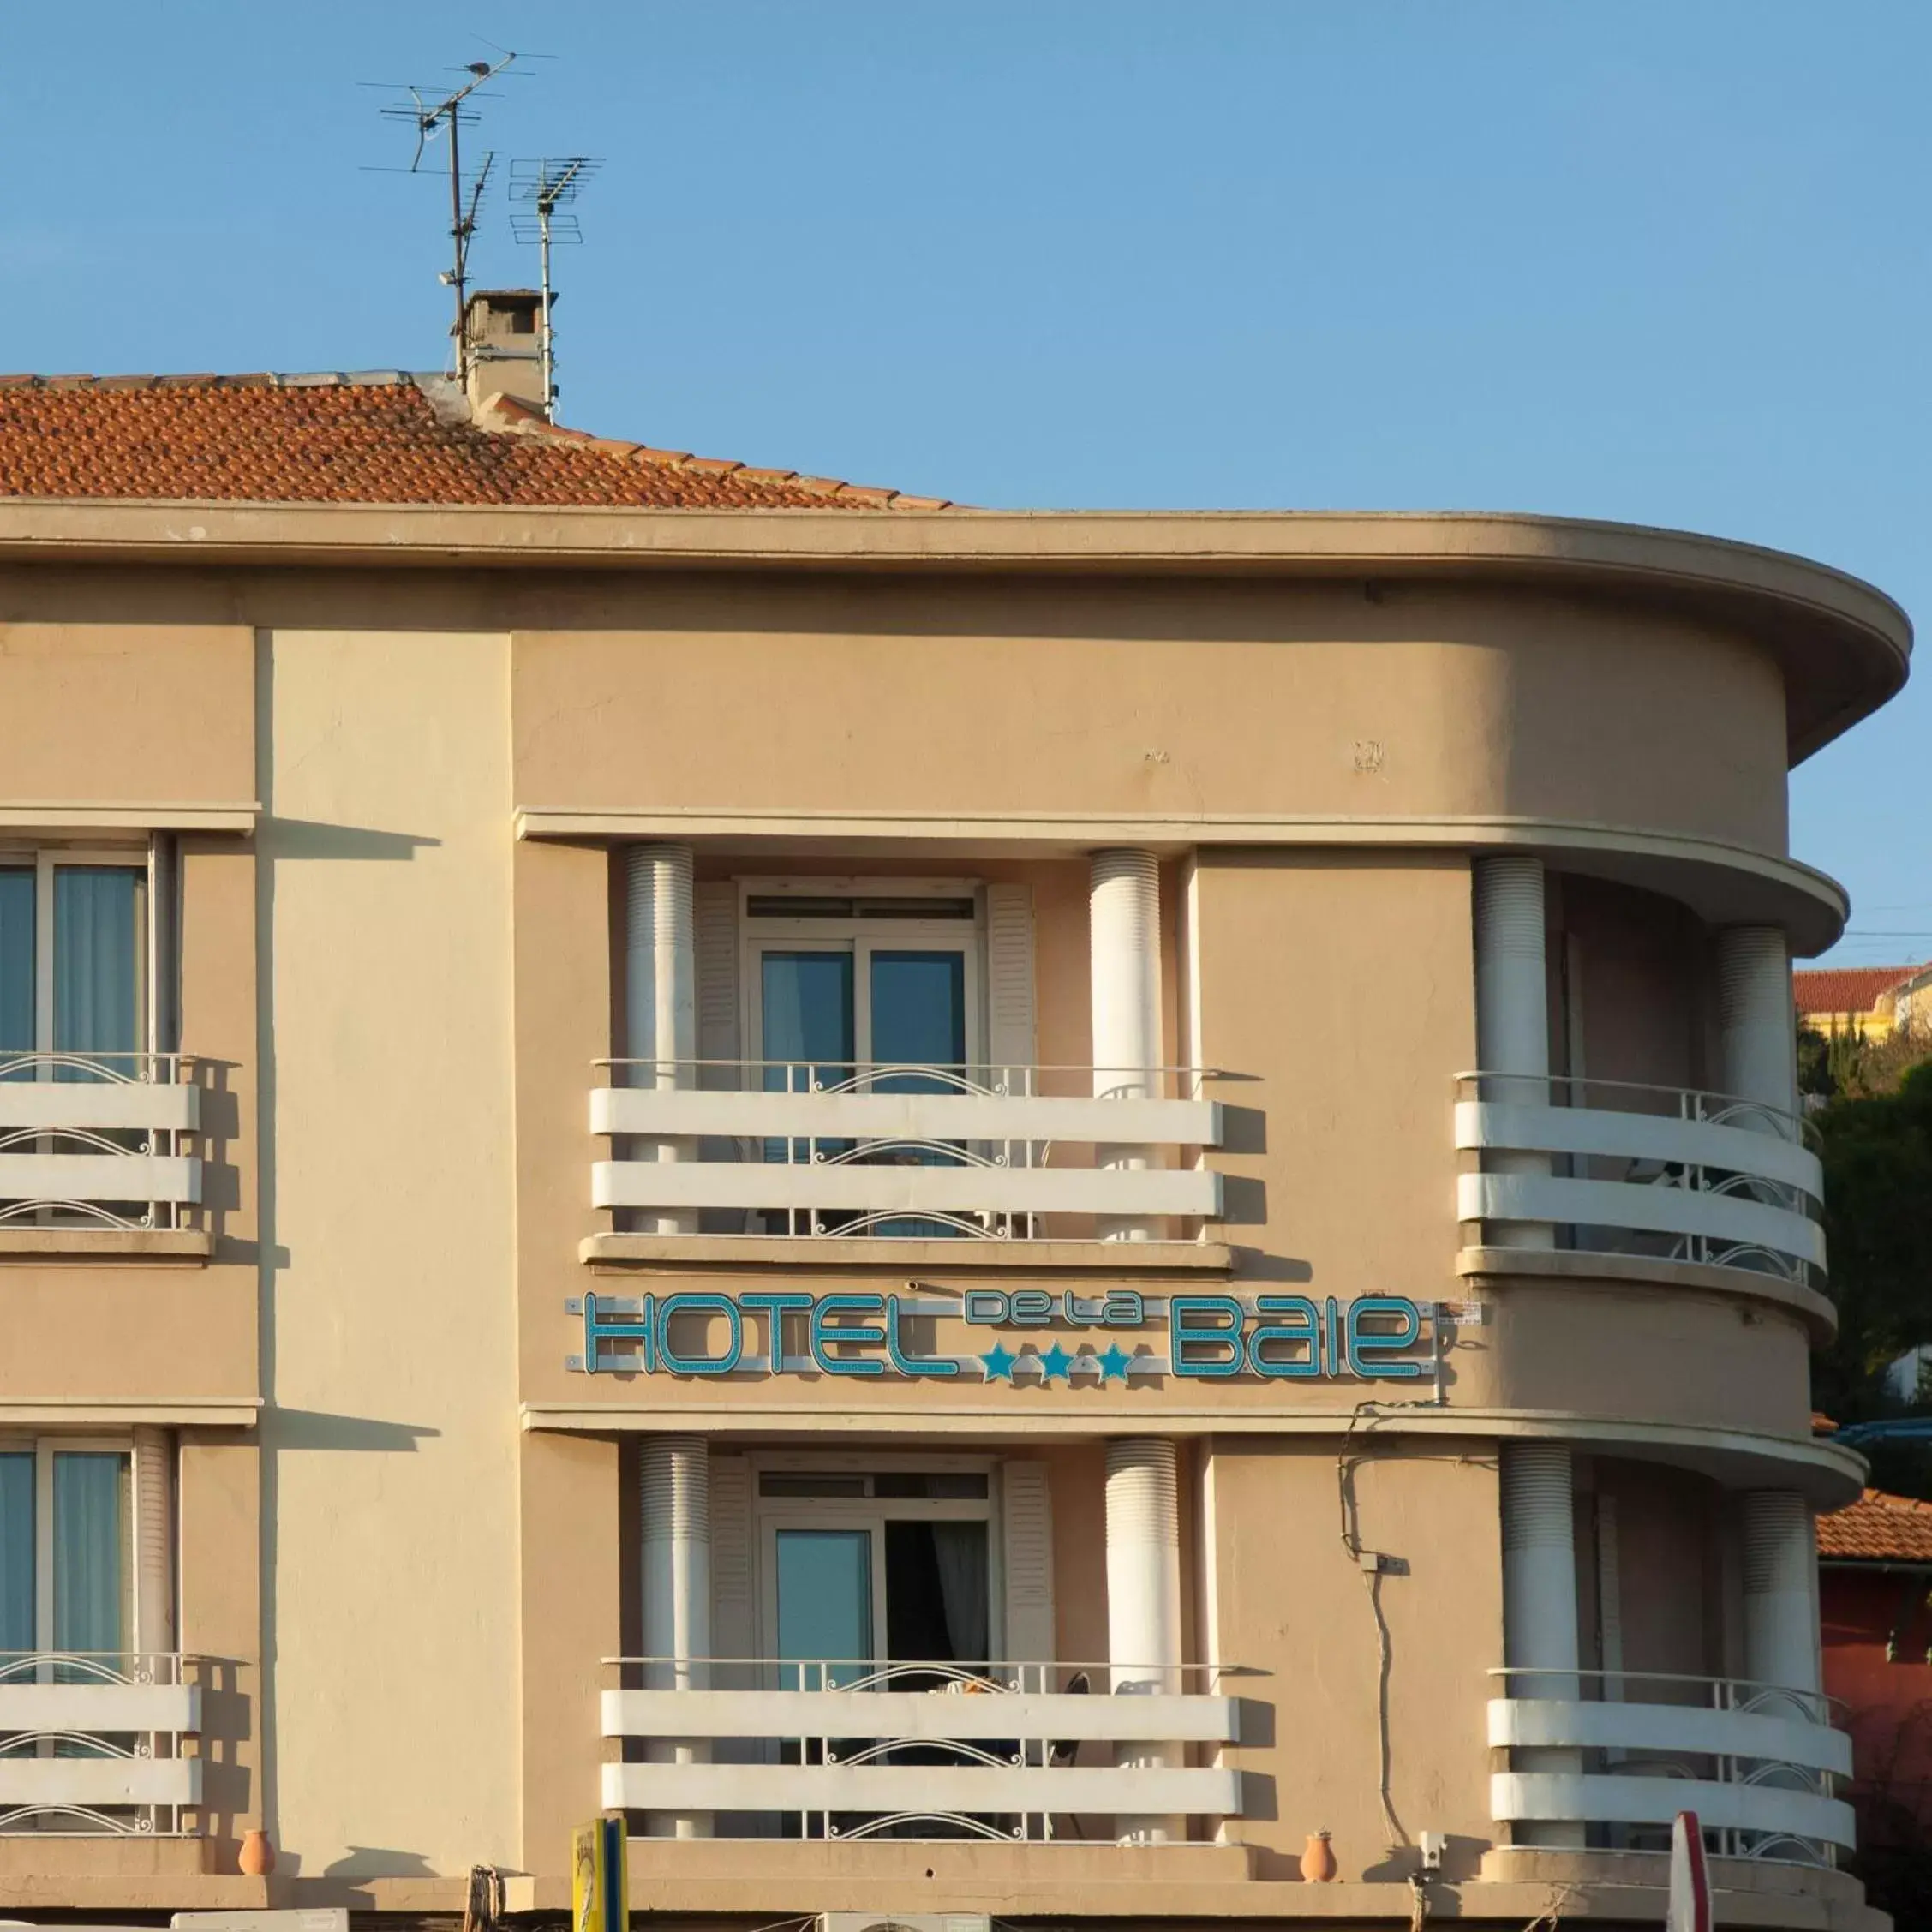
[385, 771]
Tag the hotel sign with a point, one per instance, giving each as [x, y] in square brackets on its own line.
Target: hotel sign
[1034, 1337]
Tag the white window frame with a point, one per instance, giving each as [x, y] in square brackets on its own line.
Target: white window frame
[47, 859]
[770, 1513]
[858, 939]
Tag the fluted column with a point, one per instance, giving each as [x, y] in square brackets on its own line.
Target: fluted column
[1124, 913]
[1540, 1637]
[660, 998]
[1144, 1600]
[1780, 1590]
[1757, 1047]
[1513, 1016]
[674, 1493]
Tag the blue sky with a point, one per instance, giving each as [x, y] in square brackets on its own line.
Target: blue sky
[1636, 259]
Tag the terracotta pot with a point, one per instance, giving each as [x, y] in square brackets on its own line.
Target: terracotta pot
[1318, 1862]
[258, 1855]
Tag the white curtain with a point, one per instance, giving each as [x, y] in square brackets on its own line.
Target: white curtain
[96, 934]
[960, 1550]
[90, 1551]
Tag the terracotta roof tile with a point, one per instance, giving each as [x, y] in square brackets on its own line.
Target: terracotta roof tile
[1846, 989]
[1878, 1528]
[373, 437]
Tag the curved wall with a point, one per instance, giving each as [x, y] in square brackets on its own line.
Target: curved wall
[1238, 700]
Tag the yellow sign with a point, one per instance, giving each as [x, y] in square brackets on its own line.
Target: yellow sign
[600, 1891]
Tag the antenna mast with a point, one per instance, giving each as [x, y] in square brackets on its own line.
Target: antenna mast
[432, 118]
[548, 189]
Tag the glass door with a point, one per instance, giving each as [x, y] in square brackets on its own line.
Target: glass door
[834, 1012]
[64, 1584]
[823, 1580]
[72, 979]
[73, 985]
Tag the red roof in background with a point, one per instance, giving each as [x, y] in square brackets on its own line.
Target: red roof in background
[380, 438]
[1846, 989]
[1877, 1528]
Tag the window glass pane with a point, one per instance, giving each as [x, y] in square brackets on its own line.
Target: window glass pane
[17, 1553]
[918, 1014]
[775, 1483]
[918, 1018]
[954, 1485]
[96, 950]
[824, 1603]
[808, 1012]
[808, 1022]
[16, 963]
[89, 1551]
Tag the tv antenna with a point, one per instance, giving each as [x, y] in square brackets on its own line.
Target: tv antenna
[434, 118]
[542, 194]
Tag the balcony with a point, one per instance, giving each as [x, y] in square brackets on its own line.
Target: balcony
[1618, 1754]
[91, 1744]
[1612, 1168]
[915, 1750]
[986, 1153]
[98, 1142]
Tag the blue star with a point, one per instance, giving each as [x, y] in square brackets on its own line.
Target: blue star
[999, 1360]
[1112, 1364]
[1054, 1361]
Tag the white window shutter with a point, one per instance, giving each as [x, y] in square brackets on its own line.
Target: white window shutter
[1009, 976]
[714, 938]
[1027, 1551]
[734, 1627]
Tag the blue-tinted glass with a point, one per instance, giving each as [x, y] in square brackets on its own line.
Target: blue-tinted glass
[90, 1551]
[808, 1018]
[807, 1008]
[824, 1603]
[918, 1018]
[16, 964]
[96, 1001]
[17, 1553]
[919, 1014]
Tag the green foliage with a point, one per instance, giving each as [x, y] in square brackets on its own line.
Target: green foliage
[1814, 1063]
[1877, 1154]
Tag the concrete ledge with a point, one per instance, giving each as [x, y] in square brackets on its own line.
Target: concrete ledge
[175, 1412]
[739, 1252]
[134, 1871]
[1744, 1891]
[189, 1246]
[1500, 1267]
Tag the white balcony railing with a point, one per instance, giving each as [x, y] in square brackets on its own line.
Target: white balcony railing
[91, 1742]
[1760, 1765]
[777, 1147]
[853, 1750]
[1669, 1172]
[99, 1139]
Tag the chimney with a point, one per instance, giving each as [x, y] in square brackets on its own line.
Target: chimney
[503, 344]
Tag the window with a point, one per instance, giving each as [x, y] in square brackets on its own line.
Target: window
[868, 1570]
[72, 952]
[65, 1586]
[876, 990]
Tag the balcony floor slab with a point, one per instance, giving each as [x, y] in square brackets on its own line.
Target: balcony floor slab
[187, 1247]
[1485, 1267]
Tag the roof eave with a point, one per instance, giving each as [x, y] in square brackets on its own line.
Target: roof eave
[1845, 645]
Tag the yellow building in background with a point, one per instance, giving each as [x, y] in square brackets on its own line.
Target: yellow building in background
[1871, 1001]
